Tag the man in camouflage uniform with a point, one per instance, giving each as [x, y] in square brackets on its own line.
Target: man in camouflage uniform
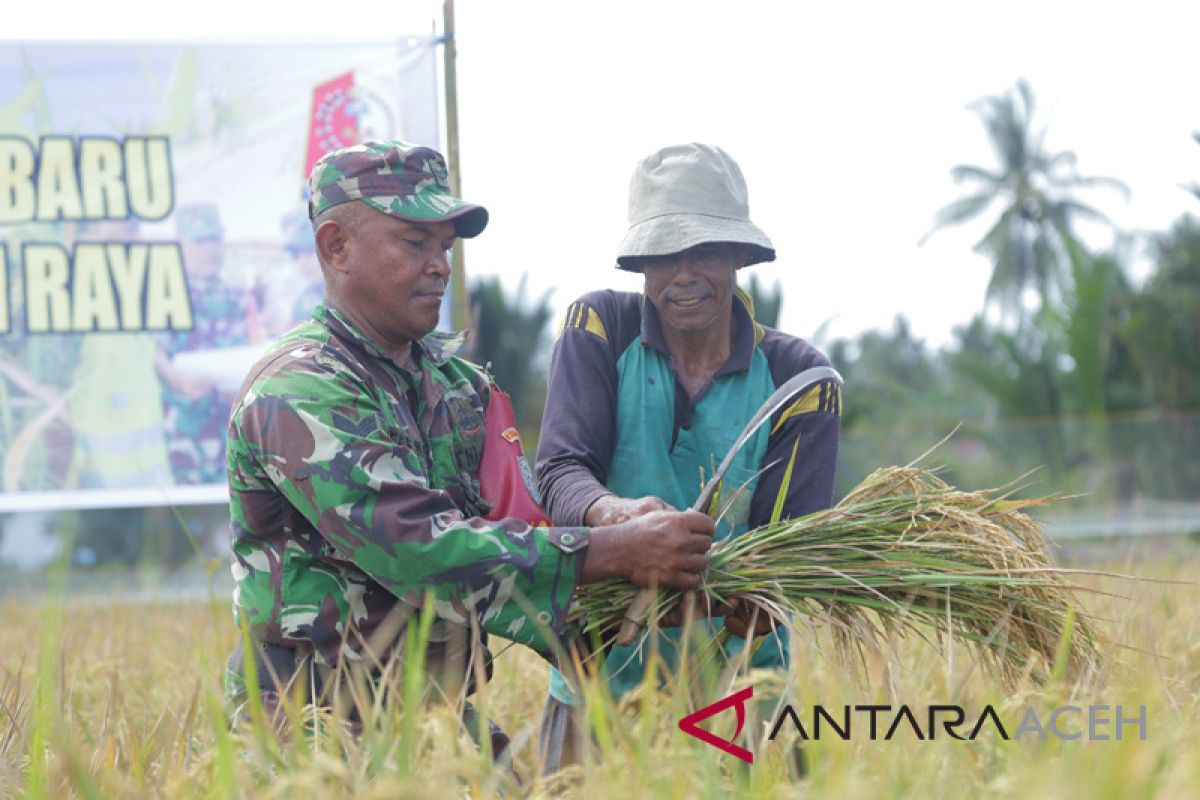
[354, 450]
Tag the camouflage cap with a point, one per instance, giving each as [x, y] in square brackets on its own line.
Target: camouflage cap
[407, 181]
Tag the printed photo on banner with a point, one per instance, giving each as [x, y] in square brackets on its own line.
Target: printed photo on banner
[154, 238]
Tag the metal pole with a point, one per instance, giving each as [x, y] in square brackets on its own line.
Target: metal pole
[460, 300]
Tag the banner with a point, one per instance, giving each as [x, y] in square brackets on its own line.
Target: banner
[154, 240]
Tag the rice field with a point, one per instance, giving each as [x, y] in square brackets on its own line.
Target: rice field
[123, 701]
[904, 549]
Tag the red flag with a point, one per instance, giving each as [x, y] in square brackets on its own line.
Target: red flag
[332, 123]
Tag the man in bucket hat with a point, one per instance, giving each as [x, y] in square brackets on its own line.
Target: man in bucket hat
[354, 451]
[647, 393]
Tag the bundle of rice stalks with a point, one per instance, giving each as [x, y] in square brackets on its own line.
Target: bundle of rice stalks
[905, 552]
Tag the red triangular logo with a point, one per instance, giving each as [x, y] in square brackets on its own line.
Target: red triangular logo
[688, 724]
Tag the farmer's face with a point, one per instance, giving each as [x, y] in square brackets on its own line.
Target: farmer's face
[693, 288]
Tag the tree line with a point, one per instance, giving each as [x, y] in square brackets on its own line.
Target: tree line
[1069, 365]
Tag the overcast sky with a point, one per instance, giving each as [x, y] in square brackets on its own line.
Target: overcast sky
[845, 118]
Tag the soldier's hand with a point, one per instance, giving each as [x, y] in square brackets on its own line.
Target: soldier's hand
[668, 549]
[613, 510]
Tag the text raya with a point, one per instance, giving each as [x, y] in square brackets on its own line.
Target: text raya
[100, 286]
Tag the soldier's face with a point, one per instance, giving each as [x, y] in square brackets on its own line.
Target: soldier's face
[694, 288]
[395, 273]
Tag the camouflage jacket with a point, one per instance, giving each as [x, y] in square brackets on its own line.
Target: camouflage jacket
[354, 489]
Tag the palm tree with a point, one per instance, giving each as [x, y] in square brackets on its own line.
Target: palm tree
[767, 300]
[1033, 189]
[512, 335]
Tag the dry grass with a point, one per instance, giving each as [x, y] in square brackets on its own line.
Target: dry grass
[904, 552]
[122, 701]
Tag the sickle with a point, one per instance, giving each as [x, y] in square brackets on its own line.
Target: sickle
[635, 616]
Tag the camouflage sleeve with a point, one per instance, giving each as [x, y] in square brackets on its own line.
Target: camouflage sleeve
[326, 442]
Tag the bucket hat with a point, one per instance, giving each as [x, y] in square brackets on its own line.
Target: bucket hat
[685, 195]
[403, 180]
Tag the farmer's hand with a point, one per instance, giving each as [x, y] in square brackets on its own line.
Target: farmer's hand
[668, 549]
[611, 510]
[737, 615]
